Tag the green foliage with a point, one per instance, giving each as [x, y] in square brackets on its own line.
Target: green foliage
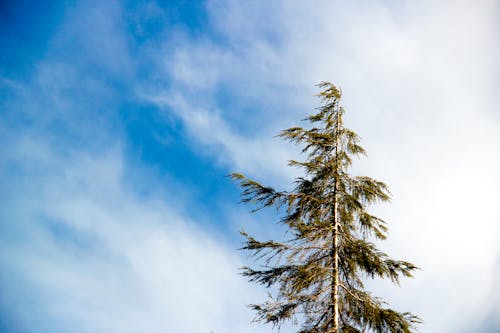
[319, 272]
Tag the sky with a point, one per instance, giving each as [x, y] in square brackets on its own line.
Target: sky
[120, 121]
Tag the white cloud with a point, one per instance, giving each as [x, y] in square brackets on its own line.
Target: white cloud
[102, 259]
[78, 246]
[420, 81]
[80, 250]
[255, 154]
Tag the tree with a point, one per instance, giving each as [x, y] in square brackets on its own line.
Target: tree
[318, 274]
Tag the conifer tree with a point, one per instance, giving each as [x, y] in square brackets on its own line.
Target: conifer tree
[318, 274]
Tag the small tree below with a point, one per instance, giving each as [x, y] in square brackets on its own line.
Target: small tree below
[319, 272]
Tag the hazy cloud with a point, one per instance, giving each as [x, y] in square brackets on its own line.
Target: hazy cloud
[420, 84]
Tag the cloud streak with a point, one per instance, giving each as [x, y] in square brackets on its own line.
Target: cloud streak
[94, 255]
[81, 247]
[418, 89]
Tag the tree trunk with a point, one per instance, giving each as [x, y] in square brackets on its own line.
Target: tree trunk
[335, 245]
[335, 280]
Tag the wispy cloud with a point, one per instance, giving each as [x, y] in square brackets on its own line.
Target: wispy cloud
[81, 247]
[420, 84]
[91, 253]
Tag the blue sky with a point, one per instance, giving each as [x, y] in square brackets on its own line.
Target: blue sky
[120, 120]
